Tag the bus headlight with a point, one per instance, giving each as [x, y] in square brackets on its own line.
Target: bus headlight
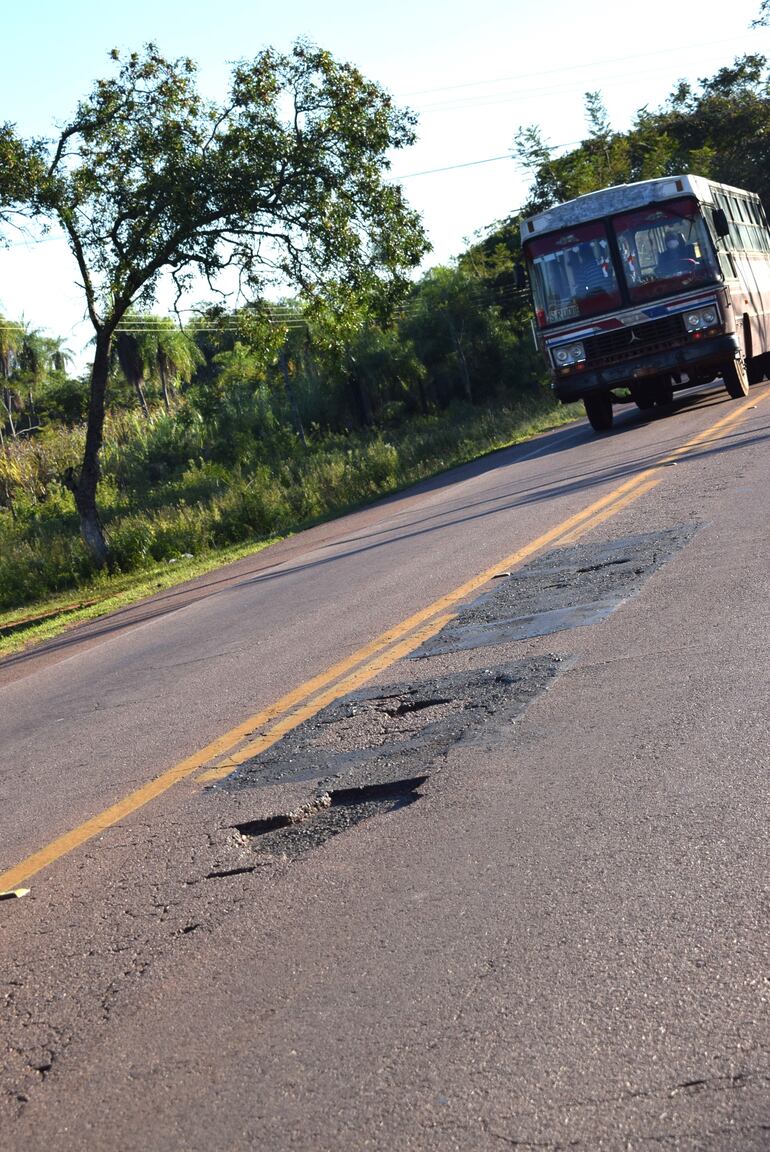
[701, 318]
[569, 354]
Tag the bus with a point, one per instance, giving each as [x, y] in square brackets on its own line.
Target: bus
[646, 288]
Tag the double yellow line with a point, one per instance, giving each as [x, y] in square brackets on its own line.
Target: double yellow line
[265, 728]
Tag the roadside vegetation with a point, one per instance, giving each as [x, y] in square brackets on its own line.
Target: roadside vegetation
[190, 444]
[188, 482]
[215, 517]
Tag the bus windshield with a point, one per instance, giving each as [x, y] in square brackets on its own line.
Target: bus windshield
[572, 274]
[663, 249]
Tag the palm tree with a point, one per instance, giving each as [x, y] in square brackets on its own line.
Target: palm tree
[61, 357]
[34, 362]
[132, 359]
[150, 347]
[176, 356]
[11, 336]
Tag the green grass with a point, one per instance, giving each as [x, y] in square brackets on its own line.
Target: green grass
[49, 618]
[233, 514]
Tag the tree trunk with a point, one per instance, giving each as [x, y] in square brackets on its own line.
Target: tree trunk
[139, 389]
[458, 346]
[84, 488]
[292, 399]
[6, 485]
[132, 366]
[363, 402]
[8, 405]
[164, 384]
[423, 396]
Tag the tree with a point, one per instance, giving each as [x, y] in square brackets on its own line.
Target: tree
[452, 323]
[133, 357]
[176, 356]
[534, 155]
[11, 339]
[719, 128]
[30, 364]
[282, 181]
[154, 349]
[603, 159]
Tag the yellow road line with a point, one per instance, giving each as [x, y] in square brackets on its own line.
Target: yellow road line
[649, 478]
[355, 670]
[349, 684]
[607, 513]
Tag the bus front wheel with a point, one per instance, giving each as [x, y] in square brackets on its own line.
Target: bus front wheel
[598, 408]
[736, 379]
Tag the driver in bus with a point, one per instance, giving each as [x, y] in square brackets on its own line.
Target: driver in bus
[676, 258]
[590, 276]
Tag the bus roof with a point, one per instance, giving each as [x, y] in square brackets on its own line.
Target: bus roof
[621, 198]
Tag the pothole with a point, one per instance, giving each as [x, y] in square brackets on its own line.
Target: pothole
[292, 834]
[398, 731]
[384, 719]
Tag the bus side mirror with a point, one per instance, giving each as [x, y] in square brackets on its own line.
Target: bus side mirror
[721, 227]
[521, 277]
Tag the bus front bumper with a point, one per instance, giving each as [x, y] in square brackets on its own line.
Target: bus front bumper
[697, 358]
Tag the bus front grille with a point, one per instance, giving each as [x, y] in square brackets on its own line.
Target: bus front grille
[628, 343]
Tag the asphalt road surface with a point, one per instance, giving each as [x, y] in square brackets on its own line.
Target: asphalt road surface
[442, 826]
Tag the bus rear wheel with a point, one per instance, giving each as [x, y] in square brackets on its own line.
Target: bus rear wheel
[598, 408]
[755, 369]
[758, 368]
[736, 379]
[643, 397]
[655, 393]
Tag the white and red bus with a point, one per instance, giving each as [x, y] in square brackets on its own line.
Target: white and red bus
[645, 288]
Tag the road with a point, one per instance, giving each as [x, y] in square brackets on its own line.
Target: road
[323, 851]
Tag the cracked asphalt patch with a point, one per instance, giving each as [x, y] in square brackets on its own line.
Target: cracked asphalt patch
[567, 588]
[390, 733]
[393, 734]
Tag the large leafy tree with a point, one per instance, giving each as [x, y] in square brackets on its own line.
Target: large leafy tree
[603, 159]
[721, 128]
[283, 180]
[370, 363]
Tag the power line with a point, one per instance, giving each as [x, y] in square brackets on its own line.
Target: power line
[29, 242]
[569, 68]
[475, 295]
[486, 160]
[488, 100]
[452, 167]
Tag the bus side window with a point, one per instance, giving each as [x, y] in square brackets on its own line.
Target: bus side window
[726, 264]
[734, 217]
[719, 220]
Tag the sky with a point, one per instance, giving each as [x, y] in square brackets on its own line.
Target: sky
[473, 73]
